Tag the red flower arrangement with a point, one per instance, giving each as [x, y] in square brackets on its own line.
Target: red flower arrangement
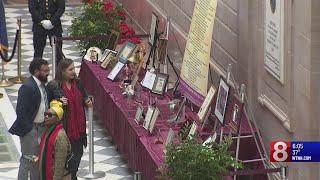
[99, 18]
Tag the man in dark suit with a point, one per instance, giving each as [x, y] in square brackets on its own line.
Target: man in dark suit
[46, 16]
[31, 106]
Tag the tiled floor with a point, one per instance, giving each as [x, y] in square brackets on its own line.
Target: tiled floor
[107, 158]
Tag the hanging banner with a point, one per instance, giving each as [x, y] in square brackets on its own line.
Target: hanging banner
[3, 29]
[274, 39]
[195, 65]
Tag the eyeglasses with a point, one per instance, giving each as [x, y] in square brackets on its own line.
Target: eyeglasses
[49, 114]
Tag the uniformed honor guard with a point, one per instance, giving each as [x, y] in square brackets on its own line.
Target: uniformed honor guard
[46, 16]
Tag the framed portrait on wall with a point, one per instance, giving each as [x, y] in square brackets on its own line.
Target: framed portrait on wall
[126, 52]
[153, 28]
[160, 83]
[222, 100]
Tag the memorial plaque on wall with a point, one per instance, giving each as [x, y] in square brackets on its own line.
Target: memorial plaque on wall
[274, 39]
[195, 65]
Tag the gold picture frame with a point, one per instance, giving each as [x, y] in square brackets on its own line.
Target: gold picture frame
[113, 40]
[108, 59]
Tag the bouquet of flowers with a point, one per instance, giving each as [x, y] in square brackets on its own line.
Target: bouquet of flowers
[100, 18]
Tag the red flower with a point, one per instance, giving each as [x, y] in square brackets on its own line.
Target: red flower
[107, 7]
[122, 14]
[124, 28]
[126, 31]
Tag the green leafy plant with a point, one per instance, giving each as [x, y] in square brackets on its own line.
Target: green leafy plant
[190, 160]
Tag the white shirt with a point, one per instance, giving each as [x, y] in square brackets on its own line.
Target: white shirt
[42, 108]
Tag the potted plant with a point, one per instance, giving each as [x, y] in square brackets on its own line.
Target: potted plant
[191, 160]
[99, 17]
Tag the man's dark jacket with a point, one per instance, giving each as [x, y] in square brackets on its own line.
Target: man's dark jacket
[29, 99]
[39, 12]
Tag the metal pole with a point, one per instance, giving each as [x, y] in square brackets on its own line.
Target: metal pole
[283, 173]
[242, 95]
[19, 79]
[137, 176]
[85, 173]
[54, 60]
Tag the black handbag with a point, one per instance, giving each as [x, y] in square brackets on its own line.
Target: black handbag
[69, 165]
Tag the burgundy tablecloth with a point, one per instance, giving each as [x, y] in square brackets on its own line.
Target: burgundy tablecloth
[117, 114]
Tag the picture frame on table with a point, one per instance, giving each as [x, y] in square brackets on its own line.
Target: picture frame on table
[160, 83]
[108, 58]
[115, 71]
[193, 130]
[104, 55]
[148, 80]
[206, 104]
[148, 118]
[139, 113]
[153, 27]
[113, 40]
[169, 140]
[153, 120]
[222, 100]
[126, 52]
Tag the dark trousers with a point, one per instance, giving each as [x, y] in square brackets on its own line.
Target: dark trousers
[77, 150]
[39, 42]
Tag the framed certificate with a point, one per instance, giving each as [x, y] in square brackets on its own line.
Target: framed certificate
[107, 59]
[138, 115]
[153, 28]
[222, 100]
[193, 130]
[126, 52]
[155, 115]
[149, 80]
[206, 104]
[115, 71]
[148, 117]
[160, 83]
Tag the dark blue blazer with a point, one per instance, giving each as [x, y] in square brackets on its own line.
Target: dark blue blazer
[29, 99]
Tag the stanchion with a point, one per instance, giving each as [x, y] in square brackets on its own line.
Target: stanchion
[90, 174]
[54, 60]
[283, 173]
[4, 81]
[19, 79]
[137, 176]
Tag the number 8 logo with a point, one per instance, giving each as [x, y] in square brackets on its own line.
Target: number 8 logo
[278, 151]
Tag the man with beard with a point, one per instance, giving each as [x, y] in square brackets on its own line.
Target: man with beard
[31, 106]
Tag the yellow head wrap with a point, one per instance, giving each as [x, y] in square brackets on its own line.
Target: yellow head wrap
[57, 107]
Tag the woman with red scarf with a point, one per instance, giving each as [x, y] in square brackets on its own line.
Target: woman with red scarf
[68, 89]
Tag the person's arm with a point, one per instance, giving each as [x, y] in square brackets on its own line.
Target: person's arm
[57, 15]
[34, 11]
[61, 147]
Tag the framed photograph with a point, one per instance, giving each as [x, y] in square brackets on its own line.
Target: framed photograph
[192, 130]
[206, 104]
[210, 140]
[138, 115]
[160, 83]
[104, 55]
[148, 80]
[113, 40]
[107, 59]
[115, 71]
[222, 100]
[169, 139]
[153, 28]
[148, 117]
[126, 52]
[154, 117]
